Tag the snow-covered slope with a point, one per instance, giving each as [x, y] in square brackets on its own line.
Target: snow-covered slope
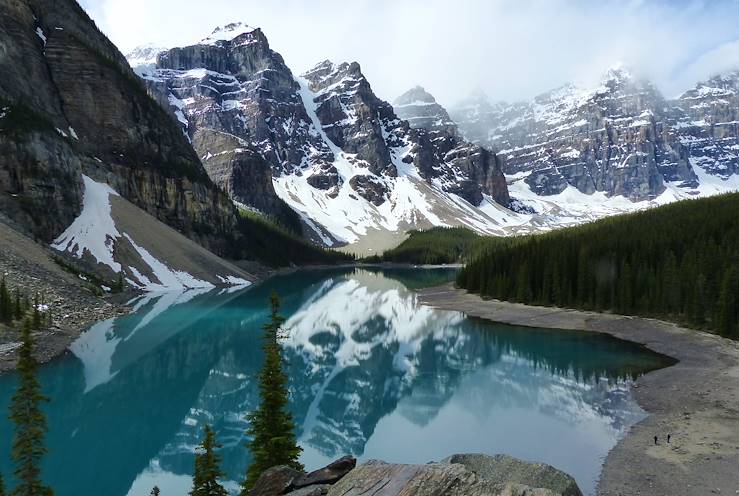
[111, 233]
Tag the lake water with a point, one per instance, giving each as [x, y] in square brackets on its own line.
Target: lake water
[373, 373]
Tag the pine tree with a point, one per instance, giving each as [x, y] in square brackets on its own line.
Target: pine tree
[154, 492]
[17, 308]
[271, 426]
[6, 307]
[207, 468]
[2, 486]
[36, 313]
[30, 423]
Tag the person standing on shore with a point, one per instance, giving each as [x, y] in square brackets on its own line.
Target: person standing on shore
[655, 440]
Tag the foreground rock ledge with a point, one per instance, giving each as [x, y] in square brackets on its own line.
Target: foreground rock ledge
[465, 474]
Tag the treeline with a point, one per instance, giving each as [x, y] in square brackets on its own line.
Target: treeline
[439, 245]
[271, 243]
[16, 306]
[679, 262]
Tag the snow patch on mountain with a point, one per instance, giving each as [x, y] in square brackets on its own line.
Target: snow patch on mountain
[93, 231]
[95, 236]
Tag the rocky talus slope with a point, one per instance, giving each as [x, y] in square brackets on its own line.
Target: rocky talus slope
[468, 475]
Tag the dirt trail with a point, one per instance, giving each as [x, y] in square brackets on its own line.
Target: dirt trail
[696, 400]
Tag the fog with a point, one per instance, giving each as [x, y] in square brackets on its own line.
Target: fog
[511, 50]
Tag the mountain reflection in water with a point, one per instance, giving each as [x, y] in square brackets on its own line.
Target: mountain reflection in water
[372, 373]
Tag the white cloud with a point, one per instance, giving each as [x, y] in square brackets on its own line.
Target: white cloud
[512, 49]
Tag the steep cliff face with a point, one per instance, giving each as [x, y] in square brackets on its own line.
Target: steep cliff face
[614, 138]
[707, 122]
[71, 105]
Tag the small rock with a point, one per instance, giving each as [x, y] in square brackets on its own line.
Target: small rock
[329, 474]
[275, 481]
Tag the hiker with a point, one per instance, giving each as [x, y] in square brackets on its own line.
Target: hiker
[655, 440]
[668, 437]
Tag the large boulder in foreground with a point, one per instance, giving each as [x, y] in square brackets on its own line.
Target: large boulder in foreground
[504, 469]
[468, 475]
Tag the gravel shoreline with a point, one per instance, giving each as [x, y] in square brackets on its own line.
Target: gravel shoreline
[695, 400]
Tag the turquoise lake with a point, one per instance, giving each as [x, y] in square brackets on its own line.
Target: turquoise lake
[373, 373]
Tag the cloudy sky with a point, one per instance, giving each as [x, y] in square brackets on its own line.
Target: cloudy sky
[511, 49]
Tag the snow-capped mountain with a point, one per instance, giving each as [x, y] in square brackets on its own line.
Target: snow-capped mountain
[358, 170]
[708, 124]
[621, 139]
[324, 143]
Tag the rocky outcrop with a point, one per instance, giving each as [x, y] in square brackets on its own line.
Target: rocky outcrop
[458, 475]
[71, 105]
[615, 138]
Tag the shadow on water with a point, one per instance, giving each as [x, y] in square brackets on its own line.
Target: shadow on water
[373, 373]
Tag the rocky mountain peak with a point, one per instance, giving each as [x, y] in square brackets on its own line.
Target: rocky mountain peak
[413, 95]
[420, 109]
[618, 72]
[236, 32]
[143, 58]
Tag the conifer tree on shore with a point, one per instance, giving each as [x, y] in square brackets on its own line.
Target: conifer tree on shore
[30, 423]
[207, 468]
[271, 429]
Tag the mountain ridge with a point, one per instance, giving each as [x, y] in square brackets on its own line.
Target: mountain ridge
[319, 138]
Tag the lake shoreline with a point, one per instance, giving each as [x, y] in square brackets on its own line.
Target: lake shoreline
[695, 400]
[89, 309]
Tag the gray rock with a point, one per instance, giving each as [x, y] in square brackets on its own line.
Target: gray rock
[376, 478]
[275, 481]
[504, 469]
[479, 476]
[329, 474]
[318, 490]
